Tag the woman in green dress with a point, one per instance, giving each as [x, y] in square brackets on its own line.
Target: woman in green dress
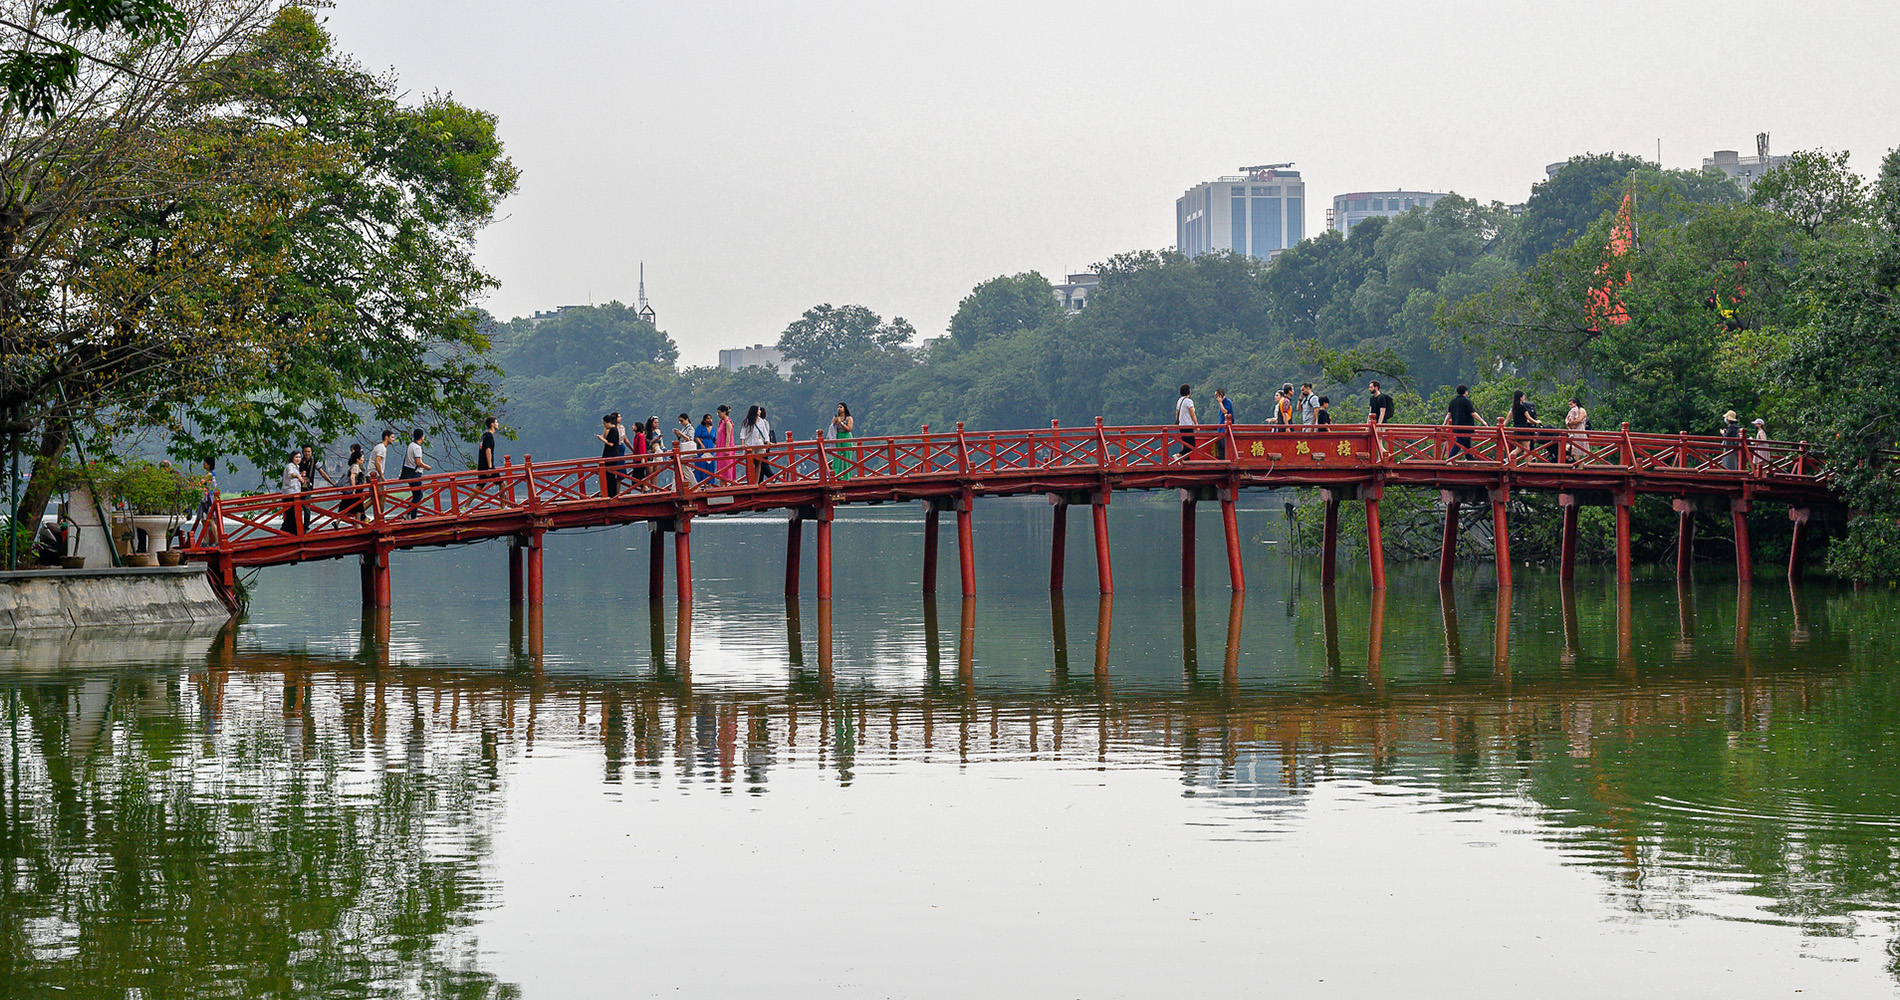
[842, 455]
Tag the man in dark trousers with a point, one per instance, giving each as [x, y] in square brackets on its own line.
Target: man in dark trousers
[1381, 409]
[1461, 414]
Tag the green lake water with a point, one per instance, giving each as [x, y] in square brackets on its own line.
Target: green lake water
[1298, 793]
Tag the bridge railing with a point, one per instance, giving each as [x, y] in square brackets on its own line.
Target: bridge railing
[960, 454]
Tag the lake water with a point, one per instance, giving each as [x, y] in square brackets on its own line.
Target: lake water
[1694, 794]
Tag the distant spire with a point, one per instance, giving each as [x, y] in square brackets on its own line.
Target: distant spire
[643, 309]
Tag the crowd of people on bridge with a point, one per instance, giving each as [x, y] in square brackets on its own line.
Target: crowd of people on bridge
[720, 450]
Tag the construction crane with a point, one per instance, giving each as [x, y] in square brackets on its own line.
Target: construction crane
[1265, 166]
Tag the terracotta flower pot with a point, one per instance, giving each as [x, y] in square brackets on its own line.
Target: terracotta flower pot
[73, 562]
[171, 558]
[139, 559]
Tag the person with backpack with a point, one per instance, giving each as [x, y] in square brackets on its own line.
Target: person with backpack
[1380, 409]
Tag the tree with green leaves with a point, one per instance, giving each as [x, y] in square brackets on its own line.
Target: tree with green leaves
[240, 239]
[1003, 305]
[1814, 189]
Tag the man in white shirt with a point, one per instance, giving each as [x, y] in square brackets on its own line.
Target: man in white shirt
[413, 467]
[1184, 418]
[379, 456]
[1309, 405]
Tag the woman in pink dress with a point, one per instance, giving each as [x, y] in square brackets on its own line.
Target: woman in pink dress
[728, 464]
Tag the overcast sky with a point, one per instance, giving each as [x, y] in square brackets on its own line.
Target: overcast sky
[762, 158]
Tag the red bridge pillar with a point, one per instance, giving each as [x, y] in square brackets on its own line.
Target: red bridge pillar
[1625, 573]
[1058, 540]
[824, 553]
[794, 539]
[1236, 574]
[1187, 541]
[1375, 541]
[1448, 542]
[1685, 537]
[1744, 564]
[1329, 540]
[376, 577]
[1104, 572]
[1797, 542]
[683, 569]
[515, 589]
[1567, 561]
[1501, 534]
[532, 551]
[656, 559]
[966, 547]
[930, 546]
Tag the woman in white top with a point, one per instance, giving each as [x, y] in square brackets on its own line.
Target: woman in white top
[1575, 421]
[293, 485]
[754, 432]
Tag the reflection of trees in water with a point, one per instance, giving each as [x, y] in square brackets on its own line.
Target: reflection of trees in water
[250, 834]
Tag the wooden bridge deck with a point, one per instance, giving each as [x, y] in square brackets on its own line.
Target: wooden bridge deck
[948, 471]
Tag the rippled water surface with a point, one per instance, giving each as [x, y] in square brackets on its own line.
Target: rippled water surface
[1302, 793]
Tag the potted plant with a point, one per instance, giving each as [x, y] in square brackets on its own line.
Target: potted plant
[150, 491]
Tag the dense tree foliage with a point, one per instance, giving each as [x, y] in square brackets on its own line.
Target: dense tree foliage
[242, 240]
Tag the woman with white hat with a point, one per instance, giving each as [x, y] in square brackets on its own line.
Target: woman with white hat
[1732, 430]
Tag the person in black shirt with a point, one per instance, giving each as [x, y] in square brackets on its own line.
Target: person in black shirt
[1461, 414]
[1523, 418]
[485, 455]
[1380, 410]
[1323, 416]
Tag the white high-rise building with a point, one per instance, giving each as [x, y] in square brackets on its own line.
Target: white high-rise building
[1352, 209]
[1259, 212]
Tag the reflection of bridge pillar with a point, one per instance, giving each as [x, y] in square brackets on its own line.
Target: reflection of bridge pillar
[1567, 561]
[824, 642]
[966, 643]
[1230, 524]
[1329, 623]
[1448, 616]
[516, 590]
[1058, 540]
[1501, 637]
[930, 546]
[1104, 624]
[794, 638]
[932, 641]
[1501, 534]
[823, 531]
[683, 635]
[533, 554]
[1187, 541]
[683, 561]
[794, 539]
[1797, 540]
[1685, 537]
[1625, 572]
[1104, 572]
[1744, 564]
[1059, 635]
[966, 547]
[1190, 639]
[1230, 666]
[1375, 635]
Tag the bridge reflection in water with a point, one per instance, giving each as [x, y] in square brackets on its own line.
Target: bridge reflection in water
[373, 775]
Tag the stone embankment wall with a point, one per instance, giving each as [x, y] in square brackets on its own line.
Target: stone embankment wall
[83, 598]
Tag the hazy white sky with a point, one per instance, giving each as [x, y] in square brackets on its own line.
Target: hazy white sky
[762, 158]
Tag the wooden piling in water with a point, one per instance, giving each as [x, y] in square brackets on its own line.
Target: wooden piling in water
[930, 546]
[532, 552]
[683, 564]
[1501, 534]
[1375, 541]
[823, 532]
[1230, 524]
[794, 538]
[1104, 571]
[1448, 542]
[1058, 541]
[966, 548]
[1625, 572]
[1744, 563]
[1187, 544]
[1685, 537]
[1797, 541]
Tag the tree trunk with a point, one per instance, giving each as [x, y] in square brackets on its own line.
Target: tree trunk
[39, 490]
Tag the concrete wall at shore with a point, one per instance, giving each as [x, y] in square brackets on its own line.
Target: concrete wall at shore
[85, 598]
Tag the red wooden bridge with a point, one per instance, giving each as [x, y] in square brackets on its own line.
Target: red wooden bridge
[1086, 465]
